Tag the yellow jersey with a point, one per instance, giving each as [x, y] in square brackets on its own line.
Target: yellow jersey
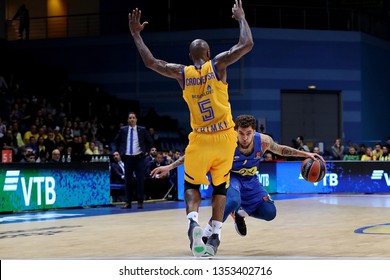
[207, 99]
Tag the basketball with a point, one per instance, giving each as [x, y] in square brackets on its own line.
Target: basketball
[313, 170]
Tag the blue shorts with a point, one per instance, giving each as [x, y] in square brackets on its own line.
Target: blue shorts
[252, 193]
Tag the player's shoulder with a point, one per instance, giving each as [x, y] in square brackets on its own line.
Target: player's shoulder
[264, 138]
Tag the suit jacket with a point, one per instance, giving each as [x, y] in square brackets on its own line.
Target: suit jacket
[144, 139]
[116, 174]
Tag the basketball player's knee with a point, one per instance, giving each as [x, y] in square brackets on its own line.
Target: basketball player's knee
[233, 197]
[220, 189]
[270, 211]
[189, 186]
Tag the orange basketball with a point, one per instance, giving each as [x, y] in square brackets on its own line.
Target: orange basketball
[313, 170]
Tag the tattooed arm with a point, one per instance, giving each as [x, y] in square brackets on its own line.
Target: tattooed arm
[162, 171]
[267, 143]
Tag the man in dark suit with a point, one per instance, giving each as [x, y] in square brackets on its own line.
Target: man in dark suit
[133, 142]
[117, 174]
[117, 170]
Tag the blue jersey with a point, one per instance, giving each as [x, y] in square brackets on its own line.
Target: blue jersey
[246, 166]
[243, 177]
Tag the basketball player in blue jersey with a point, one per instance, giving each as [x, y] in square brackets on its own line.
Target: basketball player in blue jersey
[213, 139]
[245, 190]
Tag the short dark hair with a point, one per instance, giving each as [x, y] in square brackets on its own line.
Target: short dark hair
[245, 121]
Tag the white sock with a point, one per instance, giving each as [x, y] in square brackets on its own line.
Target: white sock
[193, 215]
[217, 227]
[208, 231]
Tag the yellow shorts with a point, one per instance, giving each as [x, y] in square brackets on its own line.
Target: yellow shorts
[210, 152]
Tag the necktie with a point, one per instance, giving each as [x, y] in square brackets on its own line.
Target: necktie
[131, 141]
[122, 166]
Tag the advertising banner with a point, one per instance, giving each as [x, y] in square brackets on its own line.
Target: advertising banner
[341, 176]
[46, 186]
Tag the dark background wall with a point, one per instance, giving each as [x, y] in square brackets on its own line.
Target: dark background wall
[355, 64]
[287, 58]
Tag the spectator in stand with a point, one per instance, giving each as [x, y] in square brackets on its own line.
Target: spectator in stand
[352, 154]
[85, 141]
[77, 147]
[68, 136]
[385, 153]
[55, 156]
[92, 149]
[268, 157]
[156, 187]
[167, 157]
[362, 150]
[3, 127]
[58, 133]
[76, 129]
[28, 155]
[377, 152]
[50, 142]
[368, 155]
[32, 132]
[117, 173]
[301, 144]
[59, 143]
[87, 130]
[32, 143]
[9, 142]
[106, 149]
[337, 150]
[41, 144]
[39, 118]
[67, 124]
[50, 121]
[152, 155]
[68, 155]
[43, 157]
[17, 134]
[316, 150]
[16, 113]
[42, 131]
[24, 22]
[117, 169]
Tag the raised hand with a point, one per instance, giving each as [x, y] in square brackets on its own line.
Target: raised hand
[237, 11]
[135, 25]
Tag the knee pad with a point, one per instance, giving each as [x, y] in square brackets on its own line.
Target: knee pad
[220, 189]
[189, 186]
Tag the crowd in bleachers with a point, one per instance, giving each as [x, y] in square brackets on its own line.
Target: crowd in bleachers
[32, 125]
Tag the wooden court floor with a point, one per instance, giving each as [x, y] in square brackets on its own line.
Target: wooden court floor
[317, 227]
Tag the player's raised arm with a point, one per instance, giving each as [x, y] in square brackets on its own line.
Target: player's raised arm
[267, 143]
[162, 67]
[244, 45]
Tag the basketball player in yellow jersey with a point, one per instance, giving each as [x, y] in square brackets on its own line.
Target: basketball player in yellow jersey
[213, 140]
